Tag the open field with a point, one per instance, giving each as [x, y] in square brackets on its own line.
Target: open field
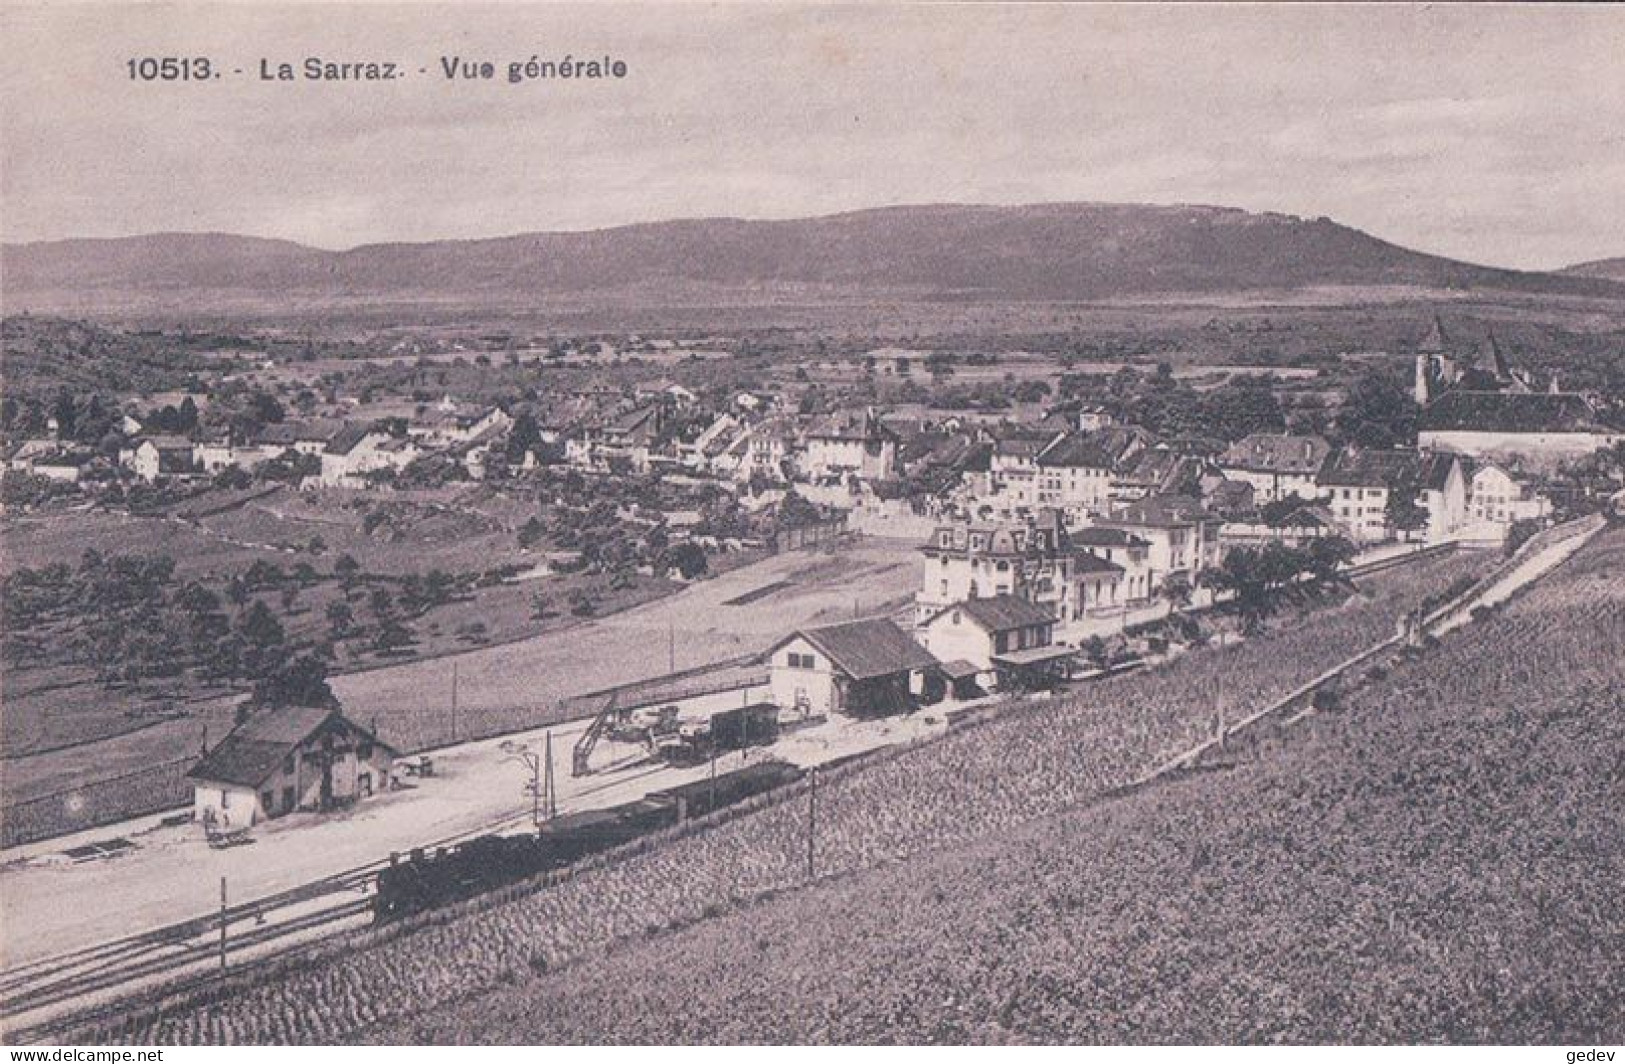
[521, 684]
[1026, 763]
[56, 696]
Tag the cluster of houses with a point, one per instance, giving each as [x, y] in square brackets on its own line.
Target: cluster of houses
[1486, 439]
[339, 453]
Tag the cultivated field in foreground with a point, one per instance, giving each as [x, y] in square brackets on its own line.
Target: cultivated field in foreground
[1440, 861]
[1029, 763]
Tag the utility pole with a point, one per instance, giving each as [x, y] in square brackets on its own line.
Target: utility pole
[454, 701]
[222, 923]
[535, 789]
[812, 818]
[552, 792]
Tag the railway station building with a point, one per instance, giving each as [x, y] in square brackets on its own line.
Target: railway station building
[288, 759]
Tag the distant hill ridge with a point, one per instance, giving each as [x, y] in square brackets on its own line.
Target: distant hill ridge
[1607, 269]
[1064, 251]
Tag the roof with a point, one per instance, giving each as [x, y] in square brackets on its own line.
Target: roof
[1434, 471]
[1034, 655]
[346, 439]
[1434, 343]
[1368, 468]
[1000, 613]
[1161, 511]
[1018, 447]
[169, 443]
[1075, 450]
[1464, 411]
[1493, 362]
[1308, 516]
[1096, 536]
[959, 669]
[850, 425]
[868, 648]
[256, 748]
[642, 423]
[1262, 453]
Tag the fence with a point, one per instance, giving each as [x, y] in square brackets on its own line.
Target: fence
[807, 536]
[153, 789]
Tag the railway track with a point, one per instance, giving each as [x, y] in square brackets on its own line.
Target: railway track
[53, 993]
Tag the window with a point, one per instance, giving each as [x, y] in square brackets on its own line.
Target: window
[268, 801]
[1001, 643]
[287, 765]
[801, 661]
[225, 798]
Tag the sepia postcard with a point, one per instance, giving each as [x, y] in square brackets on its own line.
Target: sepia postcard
[676, 524]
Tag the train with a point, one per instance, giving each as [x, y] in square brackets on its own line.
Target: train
[425, 880]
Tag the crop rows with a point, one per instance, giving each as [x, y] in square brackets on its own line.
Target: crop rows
[1030, 762]
[1440, 861]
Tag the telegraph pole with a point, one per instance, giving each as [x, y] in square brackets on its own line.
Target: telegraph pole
[535, 789]
[222, 923]
[812, 817]
[552, 792]
[454, 700]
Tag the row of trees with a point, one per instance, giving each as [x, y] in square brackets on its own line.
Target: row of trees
[1258, 580]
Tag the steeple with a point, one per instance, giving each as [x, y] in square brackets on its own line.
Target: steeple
[1434, 343]
[1493, 362]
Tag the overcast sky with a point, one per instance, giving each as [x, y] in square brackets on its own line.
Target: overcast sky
[1495, 135]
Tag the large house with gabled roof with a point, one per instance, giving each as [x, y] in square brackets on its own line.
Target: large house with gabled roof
[863, 668]
[287, 759]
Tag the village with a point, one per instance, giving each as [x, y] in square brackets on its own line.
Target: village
[1053, 538]
[1020, 550]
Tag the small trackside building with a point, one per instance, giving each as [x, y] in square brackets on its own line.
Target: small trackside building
[282, 760]
[1008, 639]
[866, 668]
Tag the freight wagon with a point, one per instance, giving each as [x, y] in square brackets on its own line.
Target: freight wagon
[428, 880]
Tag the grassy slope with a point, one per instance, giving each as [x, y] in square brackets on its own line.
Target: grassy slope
[1442, 862]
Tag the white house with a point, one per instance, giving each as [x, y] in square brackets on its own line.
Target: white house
[1497, 498]
[163, 456]
[1003, 638]
[858, 668]
[850, 444]
[359, 450]
[1181, 537]
[282, 760]
[1443, 490]
[1277, 466]
[450, 422]
[1036, 561]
